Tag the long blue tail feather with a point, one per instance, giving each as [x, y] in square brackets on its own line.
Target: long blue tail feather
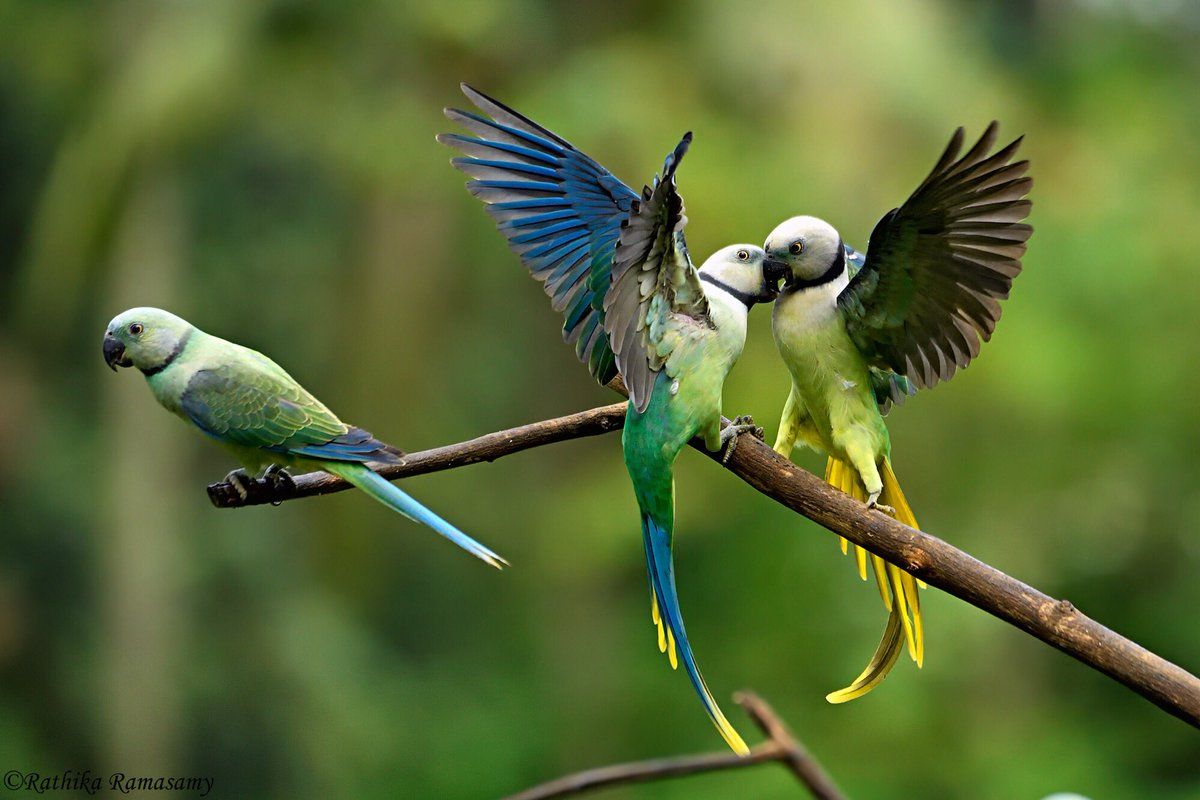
[390, 495]
[661, 567]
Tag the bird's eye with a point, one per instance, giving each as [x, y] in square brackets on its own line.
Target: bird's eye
[136, 329]
[743, 255]
[797, 248]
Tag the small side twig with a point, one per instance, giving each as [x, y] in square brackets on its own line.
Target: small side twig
[781, 746]
[805, 767]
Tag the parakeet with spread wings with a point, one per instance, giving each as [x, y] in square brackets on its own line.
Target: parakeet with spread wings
[615, 262]
[859, 334]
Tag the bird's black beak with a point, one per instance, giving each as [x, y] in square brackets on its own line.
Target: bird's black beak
[114, 353]
[774, 271]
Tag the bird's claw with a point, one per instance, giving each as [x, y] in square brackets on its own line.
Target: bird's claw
[873, 502]
[238, 479]
[756, 430]
[279, 480]
[739, 427]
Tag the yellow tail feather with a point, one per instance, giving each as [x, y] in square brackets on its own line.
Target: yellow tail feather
[834, 470]
[881, 580]
[881, 663]
[666, 644]
[666, 639]
[732, 738]
[897, 588]
[894, 497]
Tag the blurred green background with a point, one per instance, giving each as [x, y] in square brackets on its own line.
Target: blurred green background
[268, 170]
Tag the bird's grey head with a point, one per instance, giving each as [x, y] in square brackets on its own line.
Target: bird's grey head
[146, 338]
[740, 270]
[812, 250]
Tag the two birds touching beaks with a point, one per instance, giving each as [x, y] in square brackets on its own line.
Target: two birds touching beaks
[858, 333]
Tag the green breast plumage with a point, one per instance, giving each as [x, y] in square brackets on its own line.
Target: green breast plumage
[832, 379]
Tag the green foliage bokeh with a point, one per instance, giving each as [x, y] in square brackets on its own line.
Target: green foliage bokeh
[268, 171]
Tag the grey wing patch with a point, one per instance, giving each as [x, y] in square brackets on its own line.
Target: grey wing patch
[652, 278]
[206, 402]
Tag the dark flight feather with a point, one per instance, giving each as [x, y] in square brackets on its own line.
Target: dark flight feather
[938, 266]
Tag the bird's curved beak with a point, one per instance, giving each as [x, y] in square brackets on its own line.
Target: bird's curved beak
[774, 271]
[114, 353]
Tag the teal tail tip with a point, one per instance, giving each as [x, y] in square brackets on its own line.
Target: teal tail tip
[391, 496]
[421, 514]
[492, 559]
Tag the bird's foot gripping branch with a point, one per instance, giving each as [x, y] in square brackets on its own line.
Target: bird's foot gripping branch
[488, 447]
[1055, 622]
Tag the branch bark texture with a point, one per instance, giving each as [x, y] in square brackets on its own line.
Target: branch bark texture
[488, 447]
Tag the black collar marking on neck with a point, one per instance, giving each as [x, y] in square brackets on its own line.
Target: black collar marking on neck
[174, 354]
[835, 269]
[745, 299]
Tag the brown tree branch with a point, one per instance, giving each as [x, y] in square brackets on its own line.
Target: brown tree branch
[781, 746]
[488, 447]
[802, 764]
[1055, 622]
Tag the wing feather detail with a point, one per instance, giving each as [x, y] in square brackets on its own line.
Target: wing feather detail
[559, 210]
[240, 403]
[938, 266]
[656, 304]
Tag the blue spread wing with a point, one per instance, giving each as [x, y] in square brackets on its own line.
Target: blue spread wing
[560, 211]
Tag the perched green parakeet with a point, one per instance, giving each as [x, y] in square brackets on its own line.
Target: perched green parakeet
[859, 334]
[616, 264]
[260, 414]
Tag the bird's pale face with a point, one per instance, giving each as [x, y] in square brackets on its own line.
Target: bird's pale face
[143, 337]
[746, 270]
[809, 247]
